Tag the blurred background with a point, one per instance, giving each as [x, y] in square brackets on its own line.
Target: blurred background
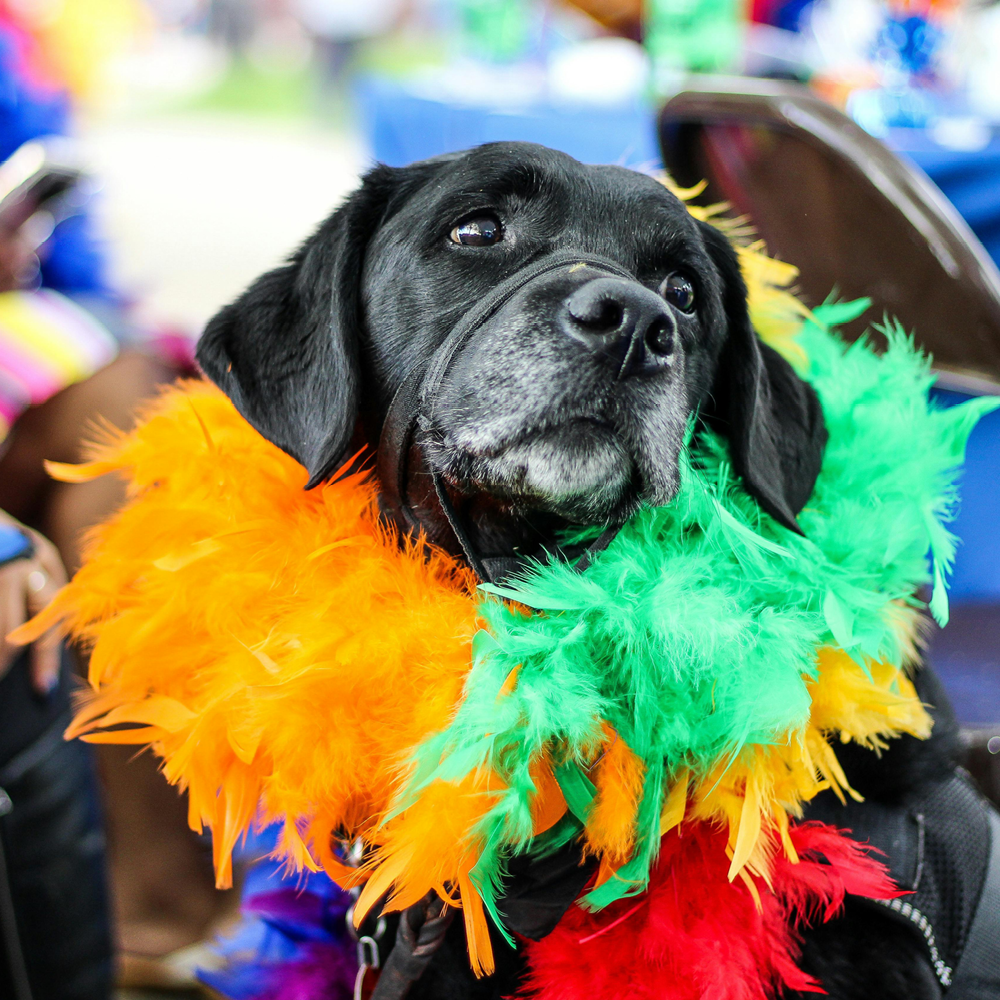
[208, 137]
[221, 130]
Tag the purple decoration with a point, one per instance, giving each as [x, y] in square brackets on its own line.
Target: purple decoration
[291, 943]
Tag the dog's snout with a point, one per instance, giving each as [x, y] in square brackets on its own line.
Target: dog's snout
[622, 321]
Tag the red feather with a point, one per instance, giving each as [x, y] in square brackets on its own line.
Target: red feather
[694, 934]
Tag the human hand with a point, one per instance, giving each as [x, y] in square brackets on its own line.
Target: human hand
[26, 587]
[18, 259]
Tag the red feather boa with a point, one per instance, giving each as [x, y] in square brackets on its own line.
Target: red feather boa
[694, 935]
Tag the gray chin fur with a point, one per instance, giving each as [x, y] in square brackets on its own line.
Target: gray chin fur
[579, 471]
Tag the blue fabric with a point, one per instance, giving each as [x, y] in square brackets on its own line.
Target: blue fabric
[402, 128]
[977, 565]
[970, 180]
[74, 260]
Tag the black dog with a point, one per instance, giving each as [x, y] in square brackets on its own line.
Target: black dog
[570, 401]
[524, 339]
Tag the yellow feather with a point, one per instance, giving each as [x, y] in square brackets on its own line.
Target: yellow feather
[749, 827]
[753, 795]
[676, 804]
[776, 313]
[749, 883]
[477, 931]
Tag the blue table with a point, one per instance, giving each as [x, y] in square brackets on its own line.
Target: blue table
[402, 127]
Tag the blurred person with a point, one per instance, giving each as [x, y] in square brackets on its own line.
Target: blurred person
[338, 27]
[70, 359]
[55, 938]
[234, 23]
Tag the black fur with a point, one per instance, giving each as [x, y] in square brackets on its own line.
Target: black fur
[773, 419]
[286, 351]
[864, 955]
[534, 426]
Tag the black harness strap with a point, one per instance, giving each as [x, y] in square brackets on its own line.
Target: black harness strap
[414, 395]
[458, 530]
[978, 974]
[941, 843]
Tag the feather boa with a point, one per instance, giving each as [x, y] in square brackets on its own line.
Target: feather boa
[290, 660]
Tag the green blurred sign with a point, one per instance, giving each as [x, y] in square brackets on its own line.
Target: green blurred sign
[701, 36]
[496, 30]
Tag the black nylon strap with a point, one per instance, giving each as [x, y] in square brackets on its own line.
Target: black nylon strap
[598, 545]
[458, 529]
[941, 843]
[425, 378]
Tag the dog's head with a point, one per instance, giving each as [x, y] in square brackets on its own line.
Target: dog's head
[569, 391]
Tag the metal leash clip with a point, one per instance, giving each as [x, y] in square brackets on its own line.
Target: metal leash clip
[369, 962]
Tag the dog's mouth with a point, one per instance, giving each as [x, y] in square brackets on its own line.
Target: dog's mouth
[578, 469]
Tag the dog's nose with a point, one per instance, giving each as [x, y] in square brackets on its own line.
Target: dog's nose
[622, 321]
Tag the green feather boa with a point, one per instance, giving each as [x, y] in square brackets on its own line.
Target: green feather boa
[694, 633]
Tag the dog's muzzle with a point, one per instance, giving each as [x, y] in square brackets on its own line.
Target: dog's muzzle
[412, 400]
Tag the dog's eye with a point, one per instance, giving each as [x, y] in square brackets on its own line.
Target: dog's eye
[480, 231]
[678, 291]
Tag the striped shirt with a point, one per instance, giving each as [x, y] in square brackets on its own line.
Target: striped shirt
[47, 342]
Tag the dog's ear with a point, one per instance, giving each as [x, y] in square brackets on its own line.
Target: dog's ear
[772, 418]
[286, 351]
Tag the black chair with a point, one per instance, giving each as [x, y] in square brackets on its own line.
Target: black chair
[852, 216]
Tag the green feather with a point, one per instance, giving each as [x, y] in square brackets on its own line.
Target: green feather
[578, 790]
